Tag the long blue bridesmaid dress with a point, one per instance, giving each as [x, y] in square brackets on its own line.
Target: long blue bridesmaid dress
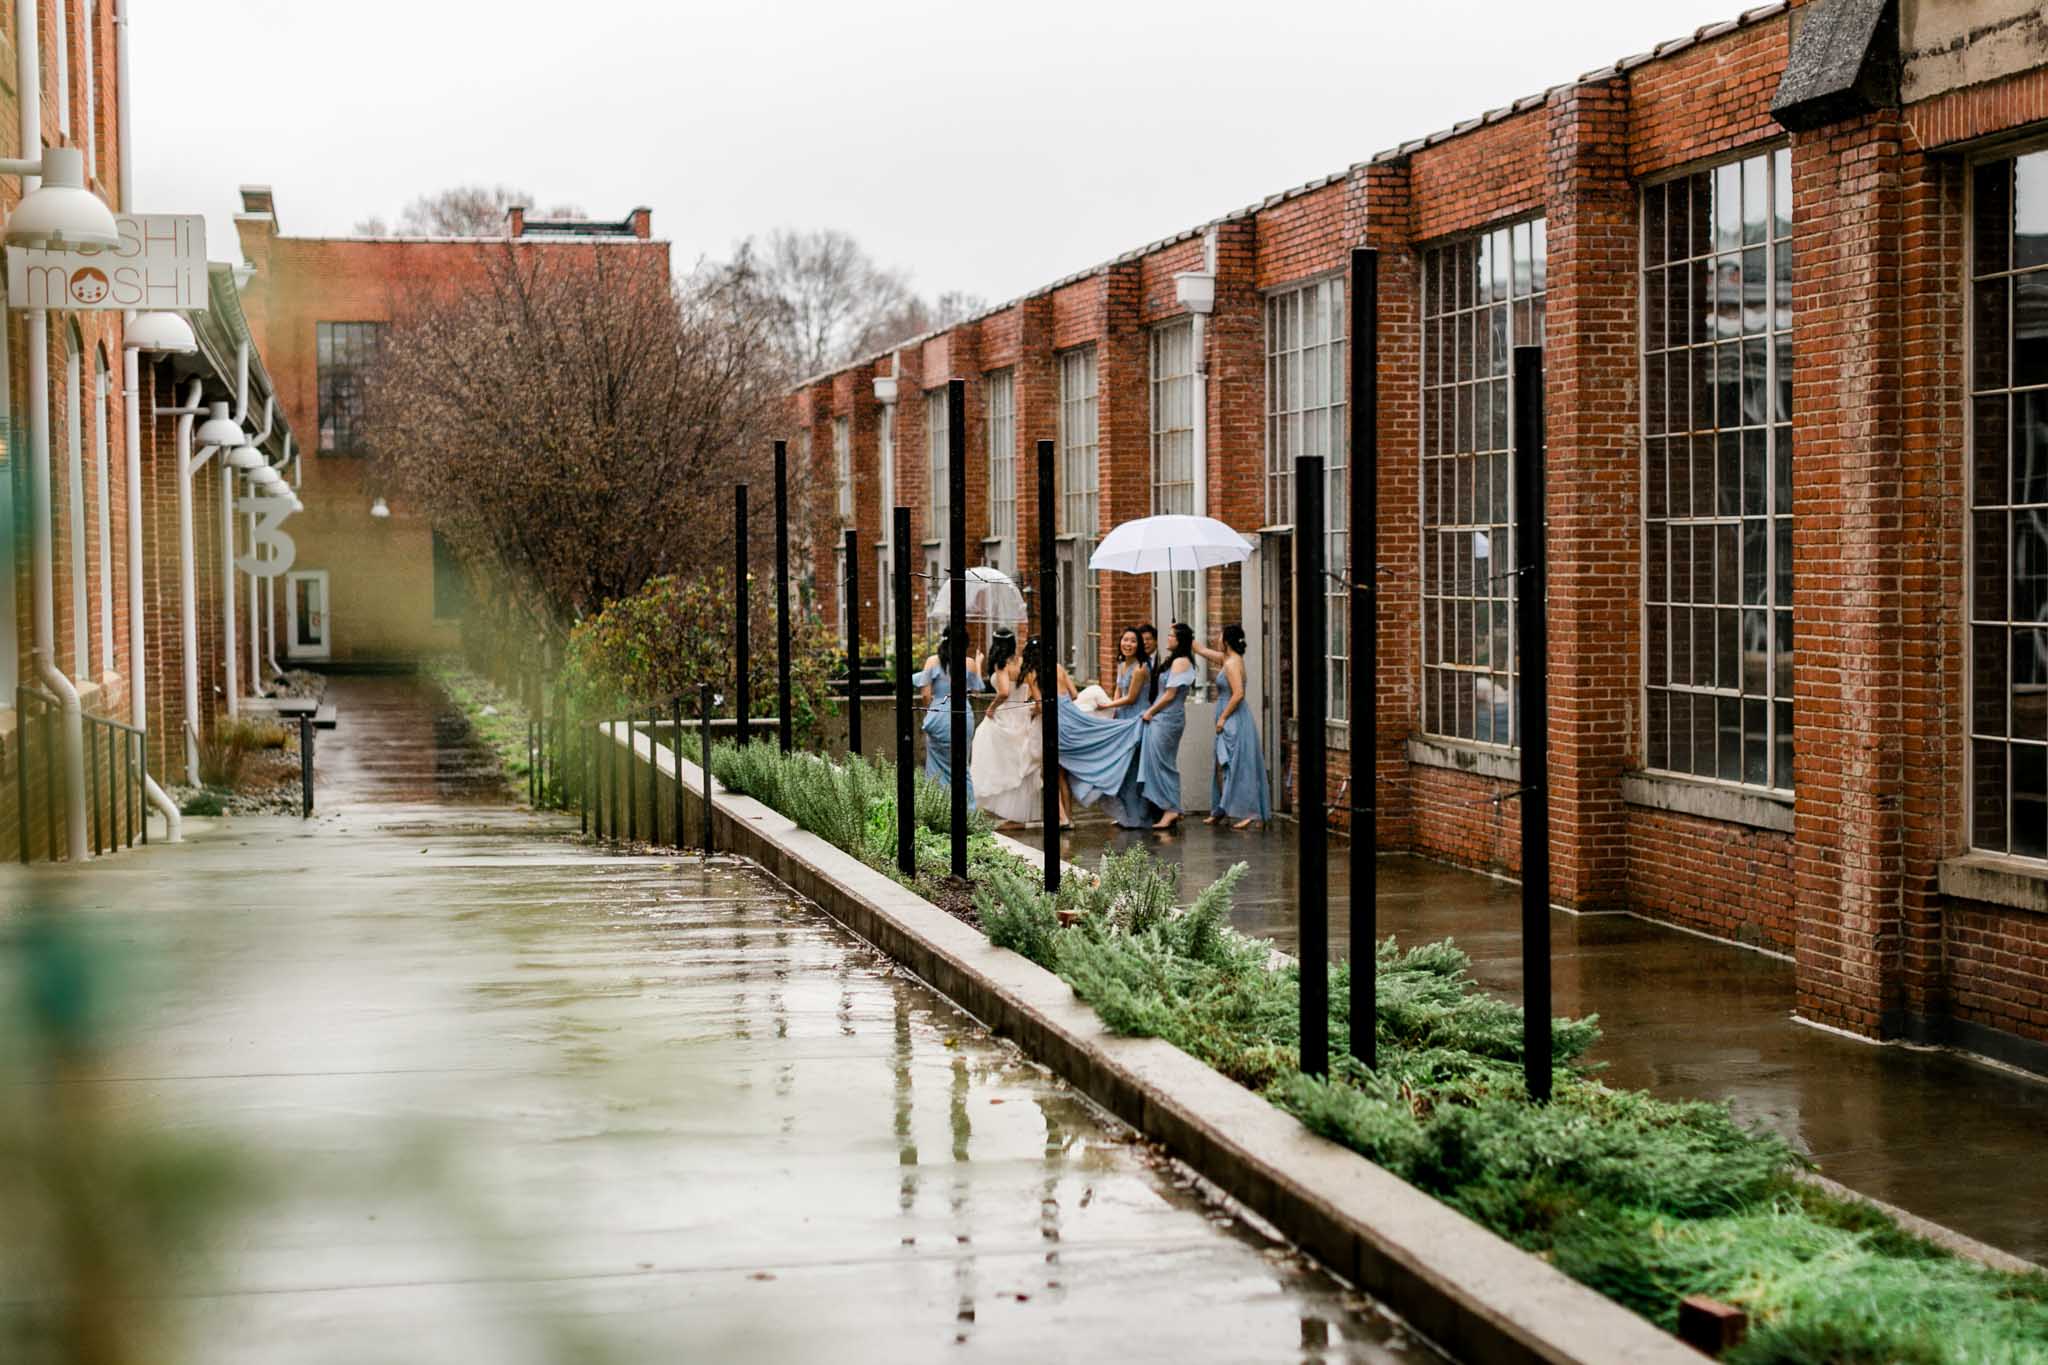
[938, 725]
[1099, 755]
[1240, 790]
[1159, 768]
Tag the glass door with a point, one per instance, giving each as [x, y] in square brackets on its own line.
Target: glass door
[306, 614]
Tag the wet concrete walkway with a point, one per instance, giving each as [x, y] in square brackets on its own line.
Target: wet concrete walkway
[518, 1100]
[1684, 1017]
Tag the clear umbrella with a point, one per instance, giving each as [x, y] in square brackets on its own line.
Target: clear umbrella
[993, 599]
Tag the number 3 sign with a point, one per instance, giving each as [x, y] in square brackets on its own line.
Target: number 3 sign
[271, 550]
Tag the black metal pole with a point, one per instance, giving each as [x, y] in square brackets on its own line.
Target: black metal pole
[583, 781]
[92, 789]
[742, 703]
[632, 809]
[956, 566]
[704, 710]
[675, 741]
[142, 762]
[50, 787]
[1311, 687]
[653, 777]
[1533, 725]
[906, 774]
[783, 724]
[1364, 410]
[1049, 664]
[852, 641]
[305, 766]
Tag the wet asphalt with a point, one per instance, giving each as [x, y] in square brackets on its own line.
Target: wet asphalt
[510, 1098]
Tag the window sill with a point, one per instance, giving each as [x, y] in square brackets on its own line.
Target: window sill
[1708, 800]
[1996, 879]
[1500, 764]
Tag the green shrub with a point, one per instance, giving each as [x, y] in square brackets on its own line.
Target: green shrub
[206, 801]
[1645, 1200]
[675, 636]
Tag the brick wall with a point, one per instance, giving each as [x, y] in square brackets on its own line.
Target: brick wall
[1879, 485]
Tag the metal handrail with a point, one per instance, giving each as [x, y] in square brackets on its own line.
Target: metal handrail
[116, 762]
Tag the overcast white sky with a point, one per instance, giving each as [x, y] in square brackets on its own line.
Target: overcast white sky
[982, 147]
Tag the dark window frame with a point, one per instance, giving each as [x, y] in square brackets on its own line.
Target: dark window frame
[343, 353]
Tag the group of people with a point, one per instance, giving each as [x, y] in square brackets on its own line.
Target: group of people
[1122, 751]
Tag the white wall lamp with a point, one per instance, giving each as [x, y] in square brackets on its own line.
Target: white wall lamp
[380, 510]
[219, 429]
[163, 333]
[60, 214]
[247, 459]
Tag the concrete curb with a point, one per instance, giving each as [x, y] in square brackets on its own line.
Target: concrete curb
[1469, 1291]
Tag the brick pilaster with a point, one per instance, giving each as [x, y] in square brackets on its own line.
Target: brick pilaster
[1847, 558]
[1591, 403]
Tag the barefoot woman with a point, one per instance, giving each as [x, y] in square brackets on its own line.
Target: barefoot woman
[1240, 793]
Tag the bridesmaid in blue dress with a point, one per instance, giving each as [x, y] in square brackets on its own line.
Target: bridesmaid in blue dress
[1099, 749]
[1165, 721]
[1240, 793]
[936, 680]
[1132, 673]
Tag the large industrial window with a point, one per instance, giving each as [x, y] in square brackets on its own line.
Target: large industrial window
[1173, 455]
[2009, 506]
[1080, 615]
[1482, 297]
[1305, 416]
[1001, 547]
[842, 467]
[1717, 473]
[1077, 432]
[347, 350]
[936, 458]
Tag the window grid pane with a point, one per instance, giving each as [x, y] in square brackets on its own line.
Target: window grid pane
[935, 438]
[842, 467]
[1002, 468]
[1173, 444]
[1079, 507]
[1483, 296]
[2008, 526]
[345, 352]
[1717, 520]
[1305, 415]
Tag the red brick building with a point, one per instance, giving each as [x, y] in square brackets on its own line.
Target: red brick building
[373, 587]
[95, 416]
[1790, 276]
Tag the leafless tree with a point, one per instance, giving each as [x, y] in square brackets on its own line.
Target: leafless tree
[569, 422]
[838, 303]
[460, 211]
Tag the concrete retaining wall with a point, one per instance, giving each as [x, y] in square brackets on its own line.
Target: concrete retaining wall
[1475, 1295]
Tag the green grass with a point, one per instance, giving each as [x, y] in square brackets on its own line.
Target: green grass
[851, 804]
[1645, 1200]
[504, 732]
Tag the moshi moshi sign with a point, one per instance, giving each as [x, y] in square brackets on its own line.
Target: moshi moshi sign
[160, 265]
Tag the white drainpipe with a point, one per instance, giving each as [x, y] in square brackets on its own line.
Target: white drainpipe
[255, 596]
[29, 81]
[229, 645]
[188, 588]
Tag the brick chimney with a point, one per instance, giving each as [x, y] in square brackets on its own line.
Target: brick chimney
[515, 221]
[642, 220]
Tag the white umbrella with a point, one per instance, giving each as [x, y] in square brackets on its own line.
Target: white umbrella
[993, 598]
[1167, 544]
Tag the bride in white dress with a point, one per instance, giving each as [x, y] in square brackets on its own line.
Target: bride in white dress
[1006, 762]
